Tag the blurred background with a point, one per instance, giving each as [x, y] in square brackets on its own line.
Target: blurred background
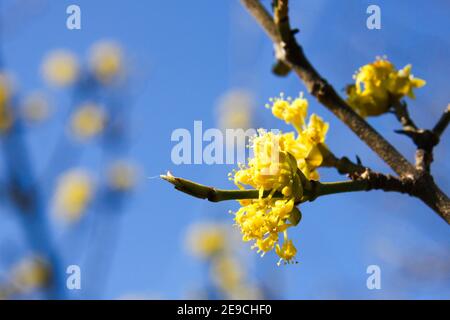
[86, 118]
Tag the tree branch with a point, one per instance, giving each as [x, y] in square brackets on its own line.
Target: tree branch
[311, 190]
[402, 114]
[294, 57]
[424, 139]
[289, 52]
[343, 165]
[443, 122]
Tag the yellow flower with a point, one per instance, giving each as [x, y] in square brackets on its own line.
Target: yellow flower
[303, 146]
[29, 274]
[291, 111]
[286, 252]
[206, 239]
[73, 193]
[106, 61]
[403, 83]
[235, 110]
[227, 273]
[60, 68]
[271, 168]
[262, 220]
[279, 164]
[121, 176]
[378, 85]
[88, 121]
[6, 117]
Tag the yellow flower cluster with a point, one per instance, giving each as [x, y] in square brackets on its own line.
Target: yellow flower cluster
[279, 163]
[63, 68]
[73, 193]
[214, 242]
[206, 240]
[262, 220]
[106, 61]
[293, 112]
[88, 121]
[60, 68]
[229, 276]
[30, 274]
[378, 85]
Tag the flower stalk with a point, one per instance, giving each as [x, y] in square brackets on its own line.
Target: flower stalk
[313, 190]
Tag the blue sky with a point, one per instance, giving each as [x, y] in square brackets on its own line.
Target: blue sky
[184, 56]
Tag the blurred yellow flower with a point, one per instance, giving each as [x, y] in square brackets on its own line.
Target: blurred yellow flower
[227, 273]
[215, 242]
[29, 274]
[206, 239]
[106, 61]
[88, 121]
[60, 68]
[378, 85]
[73, 193]
[36, 107]
[6, 117]
[235, 110]
[121, 176]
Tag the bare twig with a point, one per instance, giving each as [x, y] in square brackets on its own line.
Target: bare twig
[420, 182]
[294, 57]
[402, 114]
[343, 165]
[365, 181]
[424, 139]
[443, 122]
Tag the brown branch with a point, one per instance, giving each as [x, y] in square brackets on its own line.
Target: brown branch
[343, 165]
[424, 139]
[294, 57]
[443, 122]
[420, 182]
[402, 114]
[358, 172]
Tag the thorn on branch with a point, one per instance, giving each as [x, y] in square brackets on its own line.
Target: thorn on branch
[343, 165]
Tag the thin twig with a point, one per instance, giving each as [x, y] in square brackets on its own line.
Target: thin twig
[425, 140]
[343, 165]
[291, 54]
[443, 122]
[402, 114]
[319, 87]
[312, 190]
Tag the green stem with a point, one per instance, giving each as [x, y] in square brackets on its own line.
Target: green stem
[326, 188]
[317, 189]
